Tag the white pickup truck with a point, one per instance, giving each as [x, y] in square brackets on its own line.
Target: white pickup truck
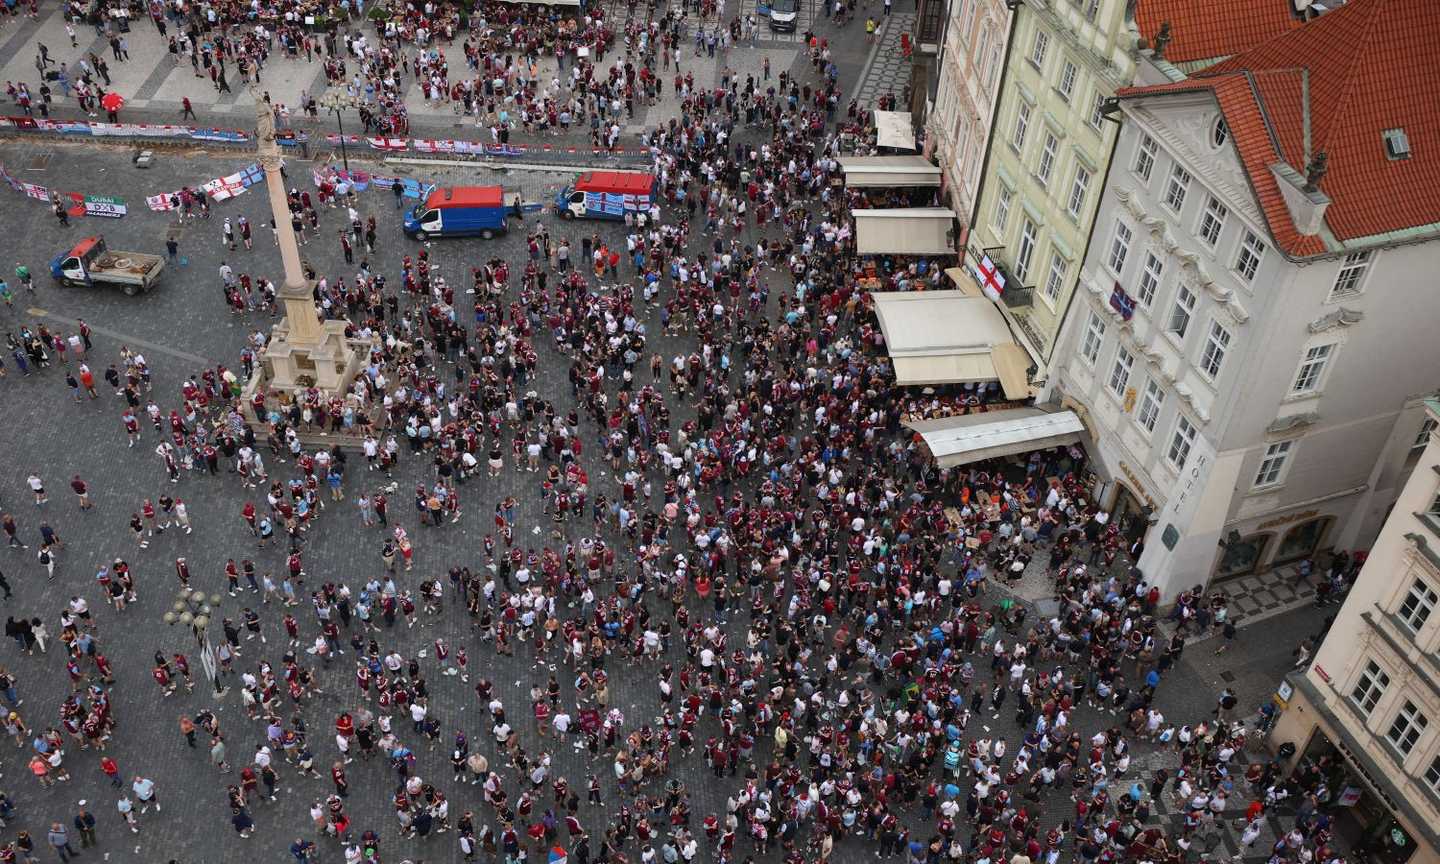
[91, 263]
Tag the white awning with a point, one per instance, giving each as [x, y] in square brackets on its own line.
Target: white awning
[973, 437]
[867, 171]
[947, 337]
[905, 231]
[894, 129]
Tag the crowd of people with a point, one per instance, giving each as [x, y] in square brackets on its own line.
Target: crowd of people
[815, 612]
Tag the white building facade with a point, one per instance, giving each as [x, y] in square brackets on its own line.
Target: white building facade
[1253, 406]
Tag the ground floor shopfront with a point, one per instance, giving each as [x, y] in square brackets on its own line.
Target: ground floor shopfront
[1371, 813]
[1195, 528]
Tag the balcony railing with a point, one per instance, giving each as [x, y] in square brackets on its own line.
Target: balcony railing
[1018, 297]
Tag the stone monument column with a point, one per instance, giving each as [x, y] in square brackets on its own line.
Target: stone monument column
[296, 292]
[304, 354]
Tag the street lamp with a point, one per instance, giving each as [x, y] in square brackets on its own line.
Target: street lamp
[193, 609]
[336, 100]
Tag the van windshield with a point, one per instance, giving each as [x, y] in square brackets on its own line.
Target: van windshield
[783, 7]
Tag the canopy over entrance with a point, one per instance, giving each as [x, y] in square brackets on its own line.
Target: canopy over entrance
[954, 441]
[946, 337]
[869, 171]
[905, 231]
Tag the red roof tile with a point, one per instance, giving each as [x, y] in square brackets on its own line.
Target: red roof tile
[1370, 66]
[1215, 29]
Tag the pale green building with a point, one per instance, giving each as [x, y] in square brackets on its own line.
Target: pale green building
[1050, 145]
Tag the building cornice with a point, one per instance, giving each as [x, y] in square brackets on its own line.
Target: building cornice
[1341, 317]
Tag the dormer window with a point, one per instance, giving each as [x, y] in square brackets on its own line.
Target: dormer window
[1397, 144]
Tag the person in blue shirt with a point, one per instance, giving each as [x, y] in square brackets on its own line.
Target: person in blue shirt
[303, 849]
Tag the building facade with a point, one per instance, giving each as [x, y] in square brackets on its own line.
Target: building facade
[1371, 699]
[1250, 345]
[959, 126]
[1049, 148]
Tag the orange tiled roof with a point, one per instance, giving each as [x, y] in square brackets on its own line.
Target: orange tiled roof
[1215, 29]
[1371, 65]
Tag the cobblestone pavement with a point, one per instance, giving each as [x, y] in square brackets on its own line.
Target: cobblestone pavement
[179, 327]
[888, 70]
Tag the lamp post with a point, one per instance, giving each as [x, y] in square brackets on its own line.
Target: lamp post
[336, 100]
[193, 608]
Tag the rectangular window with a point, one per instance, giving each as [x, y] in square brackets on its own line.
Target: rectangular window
[1181, 314]
[1092, 9]
[1312, 369]
[1212, 222]
[1094, 337]
[1022, 125]
[1120, 372]
[1047, 159]
[1181, 443]
[1432, 776]
[1423, 436]
[1077, 192]
[1419, 603]
[1001, 217]
[1055, 280]
[1038, 48]
[1369, 688]
[1351, 278]
[1067, 80]
[1145, 156]
[1097, 111]
[1026, 253]
[1252, 252]
[1150, 279]
[1150, 405]
[1407, 728]
[1119, 247]
[1272, 464]
[1217, 342]
[1176, 187]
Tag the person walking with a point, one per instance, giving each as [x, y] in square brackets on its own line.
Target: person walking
[144, 789]
[186, 109]
[60, 839]
[85, 824]
[82, 492]
[37, 486]
[127, 812]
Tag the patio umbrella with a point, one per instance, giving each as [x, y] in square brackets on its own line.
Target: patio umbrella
[112, 101]
[557, 855]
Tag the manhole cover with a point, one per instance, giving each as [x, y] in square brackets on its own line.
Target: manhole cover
[40, 163]
[1227, 677]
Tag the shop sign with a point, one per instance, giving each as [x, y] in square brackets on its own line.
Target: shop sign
[1138, 484]
[1286, 520]
[1349, 797]
[1122, 303]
